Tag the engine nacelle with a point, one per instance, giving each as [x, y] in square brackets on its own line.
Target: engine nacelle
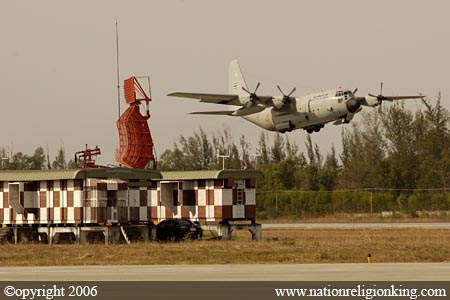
[370, 101]
[244, 99]
[278, 102]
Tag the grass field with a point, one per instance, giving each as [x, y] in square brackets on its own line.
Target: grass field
[278, 246]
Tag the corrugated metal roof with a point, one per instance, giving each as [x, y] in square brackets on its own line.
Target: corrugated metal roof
[125, 174]
[36, 175]
[211, 174]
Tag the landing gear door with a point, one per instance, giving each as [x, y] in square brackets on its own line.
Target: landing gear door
[306, 109]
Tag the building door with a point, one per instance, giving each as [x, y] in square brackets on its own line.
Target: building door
[239, 203]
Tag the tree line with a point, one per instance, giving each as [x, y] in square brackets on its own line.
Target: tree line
[38, 161]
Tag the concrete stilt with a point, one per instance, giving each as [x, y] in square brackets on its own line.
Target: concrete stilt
[51, 236]
[224, 230]
[82, 234]
[16, 238]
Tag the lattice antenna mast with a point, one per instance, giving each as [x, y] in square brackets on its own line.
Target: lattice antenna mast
[4, 160]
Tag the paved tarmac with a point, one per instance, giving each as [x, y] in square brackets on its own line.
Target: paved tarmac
[355, 225]
[269, 272]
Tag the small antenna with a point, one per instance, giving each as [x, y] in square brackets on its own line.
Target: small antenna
[223, 158]
[117, 63]
[49, 166]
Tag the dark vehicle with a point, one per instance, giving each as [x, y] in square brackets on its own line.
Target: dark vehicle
[178, 229]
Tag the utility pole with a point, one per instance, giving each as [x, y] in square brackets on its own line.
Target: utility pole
[276, 202]
[371, 202]
[255, 155]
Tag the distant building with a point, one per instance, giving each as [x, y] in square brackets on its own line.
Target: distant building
[213, 196]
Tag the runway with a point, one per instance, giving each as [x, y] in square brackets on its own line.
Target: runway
[348, 225]
[371, 225]
[269, 272]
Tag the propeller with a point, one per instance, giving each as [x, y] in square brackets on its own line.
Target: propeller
[286, 98]
[253, 95]
[379, 97]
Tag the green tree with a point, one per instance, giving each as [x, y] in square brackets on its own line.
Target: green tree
[310, 150]
[19, 161]
[329, 173]
[37, 160]
[263, 148]
[277, 150]
[245, 150]
[436, 121]
[293, 154]
[401, 147]
[60, 160]
[363, 151]
[172, 160]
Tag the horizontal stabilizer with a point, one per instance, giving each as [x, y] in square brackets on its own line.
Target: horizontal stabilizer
[220, 112]
[243, 111]
[239, 112]
[209, 98]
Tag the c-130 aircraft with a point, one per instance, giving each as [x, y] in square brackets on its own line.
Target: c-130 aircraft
[285, 113]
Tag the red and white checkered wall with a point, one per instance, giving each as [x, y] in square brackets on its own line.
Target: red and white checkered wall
[100, 201]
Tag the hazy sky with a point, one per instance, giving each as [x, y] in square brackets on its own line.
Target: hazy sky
[58, 61]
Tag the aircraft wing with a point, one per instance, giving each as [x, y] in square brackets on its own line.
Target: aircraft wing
[390, 98]
[210, 98]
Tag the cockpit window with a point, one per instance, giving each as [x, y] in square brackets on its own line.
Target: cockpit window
[343, 93]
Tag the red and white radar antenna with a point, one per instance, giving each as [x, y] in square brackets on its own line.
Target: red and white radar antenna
[135, 140]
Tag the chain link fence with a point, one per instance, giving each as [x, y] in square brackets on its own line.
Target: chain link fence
[362, 202]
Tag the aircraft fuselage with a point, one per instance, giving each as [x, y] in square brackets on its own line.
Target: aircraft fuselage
[309, 112]
[285, 113]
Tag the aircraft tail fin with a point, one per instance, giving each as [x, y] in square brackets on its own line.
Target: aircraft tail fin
[235, 79]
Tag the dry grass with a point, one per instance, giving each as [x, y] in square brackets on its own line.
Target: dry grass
[278, 246]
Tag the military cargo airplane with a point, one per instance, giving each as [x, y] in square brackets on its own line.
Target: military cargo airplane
[285, 113]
